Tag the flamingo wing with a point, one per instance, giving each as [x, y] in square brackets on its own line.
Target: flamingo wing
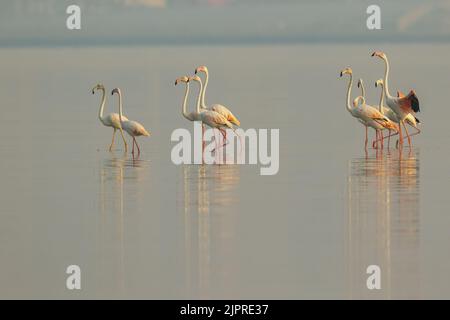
[409, 103]
[113, 120]
[226, 113]
[215, 119]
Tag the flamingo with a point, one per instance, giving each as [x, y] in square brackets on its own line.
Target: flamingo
[366, 115]
[215, 107]
[110, 120]
[401, 105]
[192, 116]
[377, 132]
[209, 117]
[410, 119]
[133, 128]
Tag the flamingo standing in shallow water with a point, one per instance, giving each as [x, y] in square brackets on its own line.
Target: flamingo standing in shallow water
[212, 118]
[378, 133]
[401, 105]
[215, 107]
[368, 116]
[110, 120]
[133, 128]
[410, 119]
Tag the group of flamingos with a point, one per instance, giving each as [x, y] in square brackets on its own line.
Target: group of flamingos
[392, 117]
[217, 116]
[119, 121]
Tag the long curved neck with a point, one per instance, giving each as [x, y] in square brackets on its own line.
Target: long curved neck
[199, 96]
[184, 109]
[120, 106]
[102, 104]
[203, 105]
[363, 90]
[349, 92]
[381, 99]
[386, 75]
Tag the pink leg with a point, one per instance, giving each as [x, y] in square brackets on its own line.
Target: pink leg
[400, 141]
[139, 150]
[389, 138]
[366, 139]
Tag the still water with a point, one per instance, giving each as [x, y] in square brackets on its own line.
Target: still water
[146, 228]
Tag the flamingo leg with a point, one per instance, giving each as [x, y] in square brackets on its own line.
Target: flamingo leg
[389, 139]
[124, 141]
[366, 138]
[139, 150]
[203, 143]
[415, 133]
[382, 139]
[112, 142]
[407, 134]
[388, 136]
[400, 134]
[132, 151]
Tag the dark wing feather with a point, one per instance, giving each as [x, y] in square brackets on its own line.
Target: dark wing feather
[414, 102]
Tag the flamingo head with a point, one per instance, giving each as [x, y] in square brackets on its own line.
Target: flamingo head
[195, 78]
[360, 83]
[379, 54]
[346, 71]
[201, 69]
[357, 100]
[182, 79]
[379, 82]
[116, 90]
[99, 86]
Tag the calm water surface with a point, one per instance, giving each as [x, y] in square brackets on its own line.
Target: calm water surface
[146, 228]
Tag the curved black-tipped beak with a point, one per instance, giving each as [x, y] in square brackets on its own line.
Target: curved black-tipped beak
[195, 71]
[93, 91]
[112, 92]
[341, 74]
[376, 84]
[176, 82]
[373, 54]
[359, 84]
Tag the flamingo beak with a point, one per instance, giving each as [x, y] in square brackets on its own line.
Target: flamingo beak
[93, 91]
[176, 82]
[195, 71]
[341, 74]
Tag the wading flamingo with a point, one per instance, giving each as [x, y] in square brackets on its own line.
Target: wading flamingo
[410, 119]
[402, 105]
[212, 118]
[110, 120]
[368, 116]
[192, 116]
[133, 128]
[215, 107]
[378, 133]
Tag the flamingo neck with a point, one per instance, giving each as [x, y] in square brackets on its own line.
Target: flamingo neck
[102, 104]
[386, 75]
[381, 100]
[199, 96]
[363, 90]
[349, 92]
[184, 109]
[203, 105]
[120, 107]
